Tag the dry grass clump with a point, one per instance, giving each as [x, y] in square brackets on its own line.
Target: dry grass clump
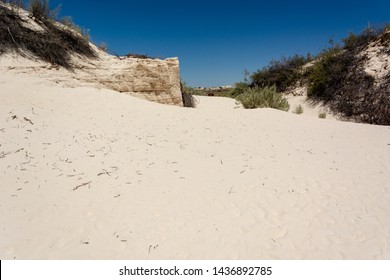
[265, 97]
[39, 9]
[140, 56]
[322, 115]
[187, 94]
[55, 45]
[298, 110]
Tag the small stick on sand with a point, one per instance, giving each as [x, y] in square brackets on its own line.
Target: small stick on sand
[82, 185]
[28, 120]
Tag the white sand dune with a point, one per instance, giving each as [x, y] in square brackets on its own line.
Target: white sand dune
[95, 174]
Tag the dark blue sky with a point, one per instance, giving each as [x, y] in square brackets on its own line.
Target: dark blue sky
[216, 40]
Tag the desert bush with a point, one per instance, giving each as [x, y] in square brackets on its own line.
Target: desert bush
[338, 79]
[103, 47]
[187, 95]
[39, 9]
[238, 89]
[282, 73]
[55, 46]
[298, 110]
[265, 97]
[141, 56]
[355, 40]
[322, 115]
[68, 21]
[328, 67]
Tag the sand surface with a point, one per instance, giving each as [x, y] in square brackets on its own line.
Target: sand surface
[95, 174]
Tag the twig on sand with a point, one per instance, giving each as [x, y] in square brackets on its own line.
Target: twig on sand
[28, 120]
[105, 172]
[82, 185]
[152, 247]
[3, 154]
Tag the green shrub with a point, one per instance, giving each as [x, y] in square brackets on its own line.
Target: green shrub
[331, 66]
[322, 115]
[266, 97]
[39, 9]
[238, 89]
[298, 110]
[282, 73]
[338, 79]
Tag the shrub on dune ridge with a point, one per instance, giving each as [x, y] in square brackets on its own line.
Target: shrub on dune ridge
[282, 73]
[55, 46]
[266, 97]
[298, 110]
[338, 79]
[39, 8]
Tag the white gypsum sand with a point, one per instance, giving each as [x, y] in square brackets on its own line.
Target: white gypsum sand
[96, 174]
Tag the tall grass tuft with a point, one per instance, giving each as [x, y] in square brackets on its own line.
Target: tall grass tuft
[298, 110]
[39, 9]
[265, 97]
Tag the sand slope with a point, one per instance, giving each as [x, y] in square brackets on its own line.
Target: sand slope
[95, 174]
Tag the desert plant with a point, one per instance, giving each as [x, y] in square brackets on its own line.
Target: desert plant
[328, 66]
[187, 95]
[140, 56]
[55, 45]
[68, 21]
[265, 97]
[282, 73]
[298, 110]
[238, 89]
[39, 9]
[322, 115]
[338, 79]
[103, 47]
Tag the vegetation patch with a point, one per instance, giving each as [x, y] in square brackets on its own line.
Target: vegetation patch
[282, 73]
[238, 89]
[187, 94]
[55, 45]
[298, 109]
[322, 115]
[338, 79]
[140, 56]
[265, 97]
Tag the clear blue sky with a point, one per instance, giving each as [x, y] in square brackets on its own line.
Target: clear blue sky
[217, 40]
